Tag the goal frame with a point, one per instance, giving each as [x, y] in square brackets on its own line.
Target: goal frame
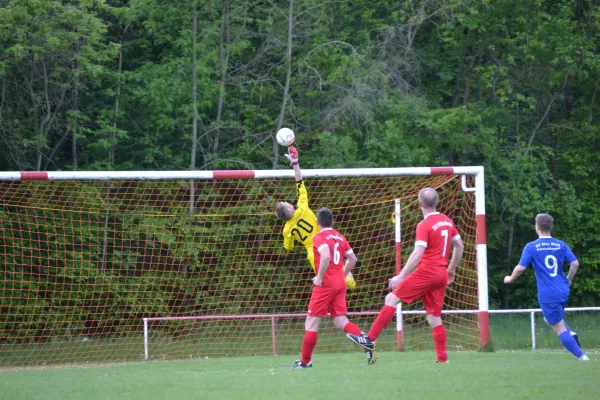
[478, 189]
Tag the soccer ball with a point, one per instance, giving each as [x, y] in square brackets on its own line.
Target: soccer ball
[285, 136]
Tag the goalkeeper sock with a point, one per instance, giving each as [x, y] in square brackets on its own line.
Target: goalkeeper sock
[439, 339]
[570, 344]
[308, 344]
[383, 320]
[352, 328]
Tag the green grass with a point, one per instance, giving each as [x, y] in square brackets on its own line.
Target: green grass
[508, 332]
[345, 376]
[513, 331]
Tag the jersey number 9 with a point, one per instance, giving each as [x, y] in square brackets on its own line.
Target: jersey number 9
[552, 263]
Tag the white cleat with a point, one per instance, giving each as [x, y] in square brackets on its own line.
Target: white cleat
[584, 358]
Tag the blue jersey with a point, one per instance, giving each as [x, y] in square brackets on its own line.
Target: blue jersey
[548, 256]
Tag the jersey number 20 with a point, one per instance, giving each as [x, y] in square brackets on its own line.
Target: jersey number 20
[305, 226]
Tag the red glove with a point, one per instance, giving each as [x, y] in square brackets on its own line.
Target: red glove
[292, 156]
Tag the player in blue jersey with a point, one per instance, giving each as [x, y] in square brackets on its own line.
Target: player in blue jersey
[548, 256]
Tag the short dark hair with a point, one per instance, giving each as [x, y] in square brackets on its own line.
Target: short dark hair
[325, 217]
[545, 222]
[428, 197]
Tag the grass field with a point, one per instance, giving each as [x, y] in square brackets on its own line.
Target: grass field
[512, 371]
[508, 332]
[517, 375]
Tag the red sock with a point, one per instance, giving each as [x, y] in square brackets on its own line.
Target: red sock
[383, 320]
[439, 339]
[308, 344]
[352, 328]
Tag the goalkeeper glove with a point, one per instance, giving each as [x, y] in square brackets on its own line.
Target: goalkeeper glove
[292, 156]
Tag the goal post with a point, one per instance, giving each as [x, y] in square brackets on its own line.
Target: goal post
[131, 265]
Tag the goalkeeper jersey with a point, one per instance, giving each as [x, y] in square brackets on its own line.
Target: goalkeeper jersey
[303, 225]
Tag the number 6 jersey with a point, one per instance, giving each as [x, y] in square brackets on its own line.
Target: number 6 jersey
[548, 256]
[339, 248]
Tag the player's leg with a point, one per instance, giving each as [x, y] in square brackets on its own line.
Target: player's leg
[574, 334]
[409, 289]
[317, 309]
[311, 332]
[338, 311]
[434, 302]
[412, 287]
[554, 316]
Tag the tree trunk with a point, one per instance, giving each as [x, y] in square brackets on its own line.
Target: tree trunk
[195, 109]
[42, 129]
[224, 58]
[74, 130]
[113, 135]
[286, 86]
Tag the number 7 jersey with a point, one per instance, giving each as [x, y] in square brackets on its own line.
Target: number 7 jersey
[435, 233]
[548, 256]
[302, 226]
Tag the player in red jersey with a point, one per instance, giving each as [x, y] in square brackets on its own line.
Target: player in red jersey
[435, 234]
[329, 291]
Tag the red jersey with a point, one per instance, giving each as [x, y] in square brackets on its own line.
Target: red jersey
[435, 233]
[334, 277]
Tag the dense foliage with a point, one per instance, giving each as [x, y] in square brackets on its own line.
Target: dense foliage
[182, 84]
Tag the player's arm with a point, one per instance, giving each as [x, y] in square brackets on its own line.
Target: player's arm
[458, 249]
[350, 262]
[412, 261]
[515, 274]
[300, 188]
[522, 266]
[573, 266]
[323, 264]
[288, 241]
[411, 264]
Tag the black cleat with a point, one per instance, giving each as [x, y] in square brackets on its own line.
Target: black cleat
[362, 340]
[576, 337]
[300, 365]
[371, 356]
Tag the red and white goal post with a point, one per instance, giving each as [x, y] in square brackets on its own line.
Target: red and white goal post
[123, 266]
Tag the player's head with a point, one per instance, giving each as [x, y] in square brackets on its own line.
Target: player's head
[543, 223]
[325, 218]
[428, 198]
[284, 210]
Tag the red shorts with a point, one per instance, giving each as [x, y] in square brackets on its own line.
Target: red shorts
[429, 284]
[324, 301]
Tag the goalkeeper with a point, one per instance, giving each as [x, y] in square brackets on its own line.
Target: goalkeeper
[301, 223]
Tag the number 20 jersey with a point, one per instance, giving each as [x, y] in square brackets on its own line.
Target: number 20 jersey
[303, 224]
[548, 256]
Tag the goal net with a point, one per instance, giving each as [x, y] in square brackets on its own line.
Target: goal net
[125, 266]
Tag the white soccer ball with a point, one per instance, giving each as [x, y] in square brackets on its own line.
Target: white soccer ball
[285, 136]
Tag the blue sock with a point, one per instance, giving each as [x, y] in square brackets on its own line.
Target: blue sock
[570, 344]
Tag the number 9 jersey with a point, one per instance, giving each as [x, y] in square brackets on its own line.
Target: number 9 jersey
[548, 256]
[302, 226]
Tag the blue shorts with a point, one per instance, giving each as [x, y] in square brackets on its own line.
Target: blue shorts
[553, 312]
